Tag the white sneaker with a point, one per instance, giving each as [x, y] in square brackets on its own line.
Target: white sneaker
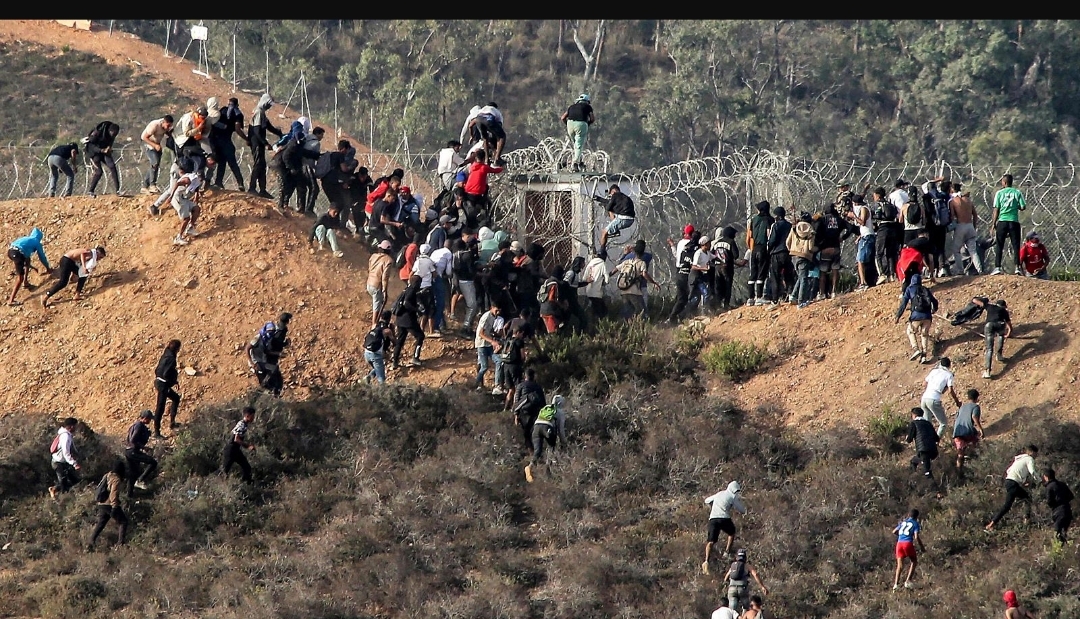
[321, 246]
[761, 302]
[996, 272]
[179, 240]
[191, 231]
[986, 373]
[141, 485]
[339, 254]
[915, 355]
[1017, 272]
[941, 272]
[155, 189]
[882, 279]
[498, 391]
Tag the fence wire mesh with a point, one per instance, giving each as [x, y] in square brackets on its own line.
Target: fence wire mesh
[710, 192]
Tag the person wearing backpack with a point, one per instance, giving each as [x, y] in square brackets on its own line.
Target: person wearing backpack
[264, 353]
[914, 217]
[376, 343]
[549, 427]
[528, 399]
[923, 306]
[64, 454]
[63, 158]
[407, 311]
[465, 266]
[1058, 499]
[107, 498]
[629, 275]
[138, 435]
[552, 306]
[99, 145]
[939, 220]
[738, 579]
[890, 236]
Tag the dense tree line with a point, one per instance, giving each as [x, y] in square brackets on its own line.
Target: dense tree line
[982, 92]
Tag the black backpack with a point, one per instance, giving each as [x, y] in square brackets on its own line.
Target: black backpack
[686, 259]
[375, 339]
[399, 260]
[922, 302]
[102, 493]
[914, 214]
[885, 212]
[397, 308]
[326, 162]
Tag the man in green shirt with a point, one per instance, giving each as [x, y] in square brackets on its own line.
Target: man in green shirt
[1008, 202]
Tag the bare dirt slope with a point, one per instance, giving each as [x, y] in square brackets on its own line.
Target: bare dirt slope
[126, 49]
[843, 359]
[95, 359]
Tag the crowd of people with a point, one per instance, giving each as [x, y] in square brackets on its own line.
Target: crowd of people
[452, 253]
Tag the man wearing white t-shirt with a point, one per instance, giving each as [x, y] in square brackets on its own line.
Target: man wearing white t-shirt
[899, 197]
[724, 612]
[938, 381]
[449, 162]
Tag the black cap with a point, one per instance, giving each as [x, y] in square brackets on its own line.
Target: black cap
[762, 207]
[901, 183]
[284, 318]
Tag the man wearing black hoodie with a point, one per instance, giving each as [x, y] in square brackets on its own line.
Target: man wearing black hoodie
[229, 122]
[926, 441]
[757, 239]
[779, 258]
[99, 148]
[165, 384]
[1058, 499]
[260, 124]
[829, 231]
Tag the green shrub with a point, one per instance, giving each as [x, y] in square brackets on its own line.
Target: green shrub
[1065, 274]
[734, 359]
[888, 426]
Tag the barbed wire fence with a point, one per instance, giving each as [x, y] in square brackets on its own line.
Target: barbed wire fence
[716, 191]
[708, 193]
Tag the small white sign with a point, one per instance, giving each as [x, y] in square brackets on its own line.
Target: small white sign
[198, 33]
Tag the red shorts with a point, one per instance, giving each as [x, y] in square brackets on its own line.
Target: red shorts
[963, 442]
[551, 323]
[905, 550]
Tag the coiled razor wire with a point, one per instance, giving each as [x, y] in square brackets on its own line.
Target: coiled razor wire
[709, 192]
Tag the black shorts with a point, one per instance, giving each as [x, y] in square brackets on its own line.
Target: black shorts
[720, 525]
[512, 373]
[22, 263]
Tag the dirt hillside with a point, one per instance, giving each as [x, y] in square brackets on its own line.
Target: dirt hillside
[843, 359]
[126, 49]
[95, 359]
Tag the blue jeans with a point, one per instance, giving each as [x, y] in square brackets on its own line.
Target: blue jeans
[803, 291]
[484, 356]
[498, 369]
[378, 366]
[438, 289]
[468, 290]
[865, 253]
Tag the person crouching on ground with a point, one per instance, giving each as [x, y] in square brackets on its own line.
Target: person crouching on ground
[324, 230]
[77, 262]
[185, 200]
[21, 254]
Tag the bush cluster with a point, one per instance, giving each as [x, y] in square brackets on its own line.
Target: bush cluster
[735, 359]
[403, 502]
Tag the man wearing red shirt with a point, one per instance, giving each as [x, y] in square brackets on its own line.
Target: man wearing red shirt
[1035, 257]
[476, 186]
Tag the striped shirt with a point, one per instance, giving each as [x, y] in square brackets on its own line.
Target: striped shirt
[240, 430]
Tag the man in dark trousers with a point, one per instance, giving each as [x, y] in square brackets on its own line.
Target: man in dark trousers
[229, 122]
[529, 398]
[779, 257]
[998, 327]
[134, 451]
[260, 124]
[165, 380]
[926, 441]
[1058, 499]
[265, 350]
[757, 240]
[237, 443]
[99, 148]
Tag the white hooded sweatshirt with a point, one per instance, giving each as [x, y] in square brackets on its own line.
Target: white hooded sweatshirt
[724, 501]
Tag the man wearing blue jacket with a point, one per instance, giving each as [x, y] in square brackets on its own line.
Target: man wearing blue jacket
[21, 253]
